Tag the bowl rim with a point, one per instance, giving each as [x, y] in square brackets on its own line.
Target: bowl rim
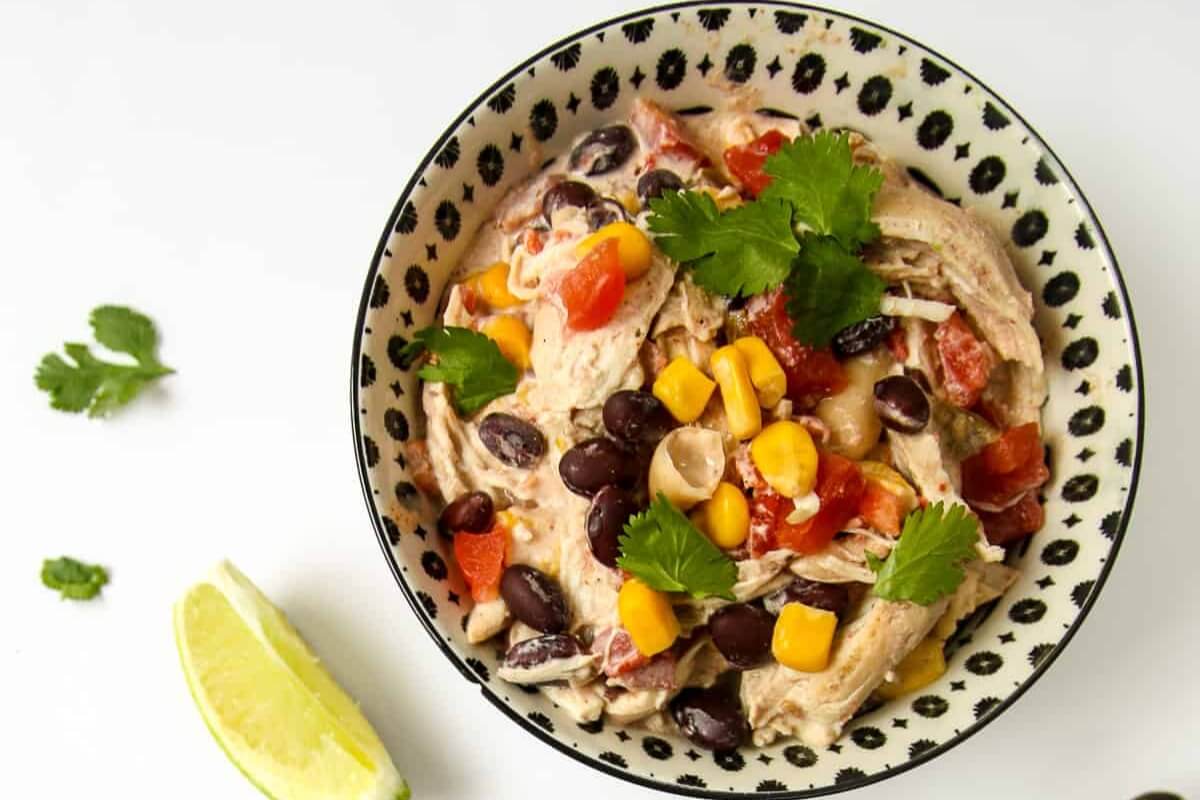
[443, 645]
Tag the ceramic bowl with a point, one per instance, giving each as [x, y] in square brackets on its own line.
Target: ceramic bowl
[954, 134]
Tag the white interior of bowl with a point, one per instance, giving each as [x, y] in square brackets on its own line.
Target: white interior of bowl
[1091, 420]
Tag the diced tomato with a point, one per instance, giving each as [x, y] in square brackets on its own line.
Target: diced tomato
[995, 478]
[1016, 447]
[658, 673]
[840, 485]
[663, 134]
[618, 654]
[592, 291]
[746, 161]
[767, 509]
[480, 556]
[470, 297]
[532, 240]
[966, 362]
[812, 373]
[1015, 522]
[897, 342]
[882, 510]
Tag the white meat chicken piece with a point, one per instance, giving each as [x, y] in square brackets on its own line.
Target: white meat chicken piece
[941, 249]
[814, 706]
[580, 369]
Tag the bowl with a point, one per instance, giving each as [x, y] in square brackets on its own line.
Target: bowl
[956, 136]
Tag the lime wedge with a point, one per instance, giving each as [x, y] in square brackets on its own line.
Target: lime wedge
[272, 707]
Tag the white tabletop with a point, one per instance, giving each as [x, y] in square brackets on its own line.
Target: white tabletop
[226, 166]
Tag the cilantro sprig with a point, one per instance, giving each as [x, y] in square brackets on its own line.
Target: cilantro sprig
[805, 231]
[87, 383]
[664, 550]
[927, 562]
[468, 361]
[831, 195]
[828, 290]
[744, 250]
[72, 579]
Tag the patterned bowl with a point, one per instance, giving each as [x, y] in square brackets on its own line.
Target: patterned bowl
[958, 138]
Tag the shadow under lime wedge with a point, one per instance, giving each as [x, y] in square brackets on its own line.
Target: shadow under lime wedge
[272, 707]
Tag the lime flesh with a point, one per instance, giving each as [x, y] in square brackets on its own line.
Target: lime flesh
[279, 716]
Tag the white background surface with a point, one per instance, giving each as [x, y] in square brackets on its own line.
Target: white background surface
[227, 166]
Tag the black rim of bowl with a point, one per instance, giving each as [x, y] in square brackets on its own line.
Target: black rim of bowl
[469, 674]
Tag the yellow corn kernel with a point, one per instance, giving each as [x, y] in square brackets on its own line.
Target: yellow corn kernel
[648, 617]
[726, 197]
[924, 665]
[742, 413]
[513, 338]
[890, 480]
[726, 516]
[493, 286]
[630, 201]
[633, 248]
[765, 373]
[683, 389]
[786, 457]
[803, 637]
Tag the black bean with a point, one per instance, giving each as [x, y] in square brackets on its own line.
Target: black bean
[602, 150]
[743, 634]
[512, 440]
[901, 405]
[593, 464]
[828, 596]
[655, 183]
[605, 211]
[637, 417]
[710, 718]
[862, 336]
[566, 193]
[540, 649]
[472, 512]
[534, 598]
[611, 508]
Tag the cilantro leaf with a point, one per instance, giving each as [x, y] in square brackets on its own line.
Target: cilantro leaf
[926, 563]
[831, 195]
[468, 361]
[744, 250]
[828, 290]
[73, 579]
[664, 550]
[87, 383]
[124, 330]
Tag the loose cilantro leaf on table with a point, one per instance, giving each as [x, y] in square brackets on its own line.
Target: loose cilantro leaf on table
[831, 195]
[664, 550]
[468, 361]
[744, 250]
[927, 562]
[87, 383]
[828, 290]
[73, 579]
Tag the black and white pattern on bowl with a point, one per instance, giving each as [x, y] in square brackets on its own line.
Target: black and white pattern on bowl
[958, 138]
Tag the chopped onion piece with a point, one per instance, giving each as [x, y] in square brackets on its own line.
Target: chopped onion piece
[932, 310]
[804, 508]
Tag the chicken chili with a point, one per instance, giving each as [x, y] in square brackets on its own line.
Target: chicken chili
[732, 422]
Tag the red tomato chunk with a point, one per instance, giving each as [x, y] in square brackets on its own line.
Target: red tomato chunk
[746, 161]
[840, 485]
[480, 556]
[998, 475]
[593, 290]
[812, 373]
[966, 362]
